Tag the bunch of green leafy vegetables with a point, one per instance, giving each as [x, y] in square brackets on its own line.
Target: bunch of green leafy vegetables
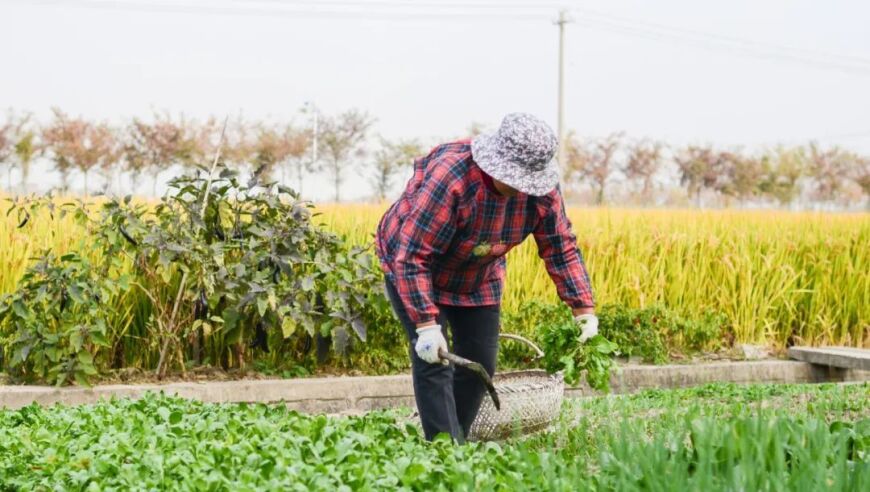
[563, 351]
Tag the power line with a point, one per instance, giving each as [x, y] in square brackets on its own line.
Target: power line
[855, 64]
[855, 69]
[286, 13]
[719, 37]
[392, 10]
[411, 4]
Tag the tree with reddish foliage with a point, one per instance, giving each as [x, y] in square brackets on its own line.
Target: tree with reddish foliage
[269, 150]
[299, 160]
[829, 168]
[739, 175]
[699, 169]
[594, 161]
[862, 176]
[283, 146]
[156, 146]
[644, 161]
[239, 145]
[77, 144]
[342, 137]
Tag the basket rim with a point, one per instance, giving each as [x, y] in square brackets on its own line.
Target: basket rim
[501, 376]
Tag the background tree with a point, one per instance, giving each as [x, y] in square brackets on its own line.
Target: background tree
[829, 169]
[7, 146]
[781, 172]
[862, 177]
[699, 168]
[643, 162]
[299, 158]
[239, 147]
[27, 147]
[574, 163]
[739, 175]
[284, 147]
[391, 159]
[154, 147]
[76, 143]
[602, 163]
[340, 138]
[270, 149]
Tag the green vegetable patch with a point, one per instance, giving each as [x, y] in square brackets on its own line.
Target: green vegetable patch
[718, 437]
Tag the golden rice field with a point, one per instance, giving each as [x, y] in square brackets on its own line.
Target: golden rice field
[774, 274]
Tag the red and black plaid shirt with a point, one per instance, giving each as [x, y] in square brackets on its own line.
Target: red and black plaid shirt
[445, 240]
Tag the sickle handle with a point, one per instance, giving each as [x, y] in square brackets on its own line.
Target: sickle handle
[475, 368]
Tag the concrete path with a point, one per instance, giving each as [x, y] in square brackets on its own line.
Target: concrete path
[842, 357]
[352, 394]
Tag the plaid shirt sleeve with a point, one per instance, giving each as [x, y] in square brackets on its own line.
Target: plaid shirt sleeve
[427, 230]
[557, 246]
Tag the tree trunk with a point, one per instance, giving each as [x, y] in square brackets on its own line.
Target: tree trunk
[299, 178]
[599, 199]
[647, 184]
[337, 175]
[9, 178]
[118, 185]
[85, 172]
[154, 184]
[25, 173]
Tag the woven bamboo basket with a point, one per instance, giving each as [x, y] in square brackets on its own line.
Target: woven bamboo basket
[530, 402]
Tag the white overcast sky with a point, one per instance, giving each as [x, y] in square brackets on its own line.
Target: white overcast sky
[432, 76]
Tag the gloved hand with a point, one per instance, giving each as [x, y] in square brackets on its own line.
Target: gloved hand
[429, 340]
[588, 326]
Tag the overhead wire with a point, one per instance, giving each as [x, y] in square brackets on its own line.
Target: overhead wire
[260, 11]
[855, 69]
[410, 10]
[716, 36]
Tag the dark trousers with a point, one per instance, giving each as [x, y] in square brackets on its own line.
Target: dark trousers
[449, 397]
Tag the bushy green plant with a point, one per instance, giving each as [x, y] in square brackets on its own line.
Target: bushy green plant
[636, 331]
[225, 267]
[56, 320]
[652, 331]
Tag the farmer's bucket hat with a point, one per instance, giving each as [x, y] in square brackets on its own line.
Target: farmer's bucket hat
[520, 154]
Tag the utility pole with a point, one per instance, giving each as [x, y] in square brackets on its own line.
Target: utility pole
[563, 19]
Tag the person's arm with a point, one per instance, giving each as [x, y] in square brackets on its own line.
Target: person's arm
[426, 231]
[557, 246]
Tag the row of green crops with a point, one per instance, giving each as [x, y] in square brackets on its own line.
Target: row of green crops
[718, 437]
[779, 277]
[667, 282]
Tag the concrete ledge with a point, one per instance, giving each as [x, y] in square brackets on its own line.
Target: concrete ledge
[844, 357]
[342, 394]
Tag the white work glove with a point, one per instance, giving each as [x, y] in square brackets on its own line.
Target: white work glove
[429, 340]
[588, 326]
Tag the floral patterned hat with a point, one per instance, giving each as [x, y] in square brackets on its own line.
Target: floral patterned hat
[520, 154]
